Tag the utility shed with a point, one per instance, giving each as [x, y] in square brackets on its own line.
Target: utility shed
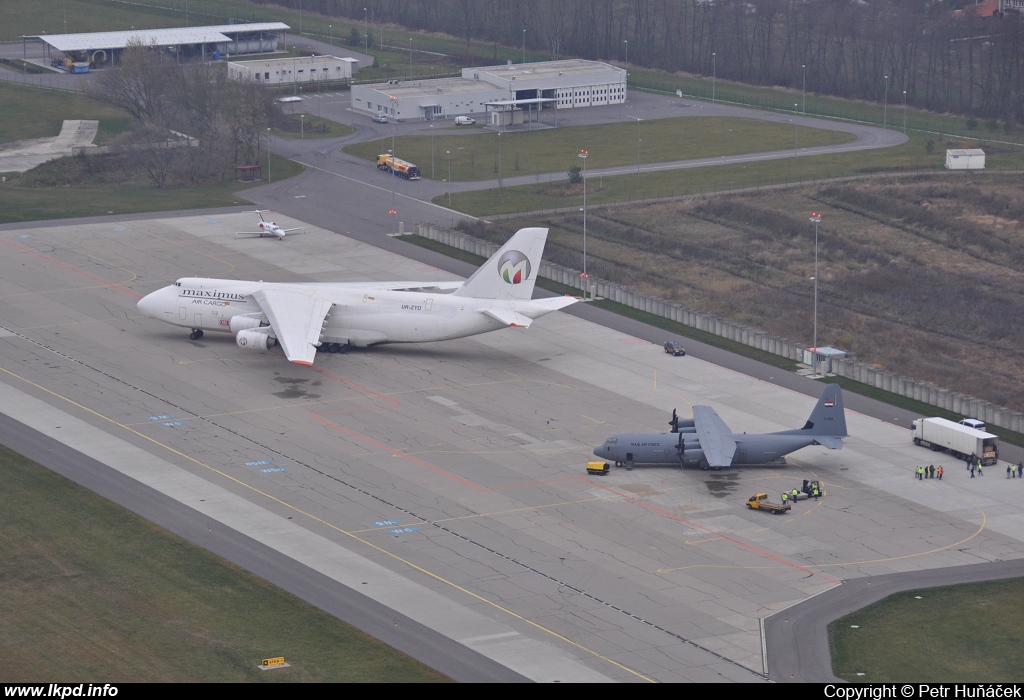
[965, 159]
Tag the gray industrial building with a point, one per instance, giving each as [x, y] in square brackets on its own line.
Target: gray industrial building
[296, 70]
[499, 92]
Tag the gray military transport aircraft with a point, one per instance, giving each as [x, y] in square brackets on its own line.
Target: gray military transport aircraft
[706, 441]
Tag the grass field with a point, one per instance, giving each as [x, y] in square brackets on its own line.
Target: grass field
[29, 112]
[475, 153]
[524, 199]
[957, 634]
[93, 592]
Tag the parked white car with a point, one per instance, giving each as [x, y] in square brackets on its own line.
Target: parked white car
[380, 118]
[464, 121]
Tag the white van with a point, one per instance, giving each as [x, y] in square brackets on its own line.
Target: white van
[973, 423]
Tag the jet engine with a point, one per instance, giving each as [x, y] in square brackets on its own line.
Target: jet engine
[258, 339]
[243, 322]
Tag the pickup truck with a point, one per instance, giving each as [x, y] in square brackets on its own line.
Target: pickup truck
[760, 501]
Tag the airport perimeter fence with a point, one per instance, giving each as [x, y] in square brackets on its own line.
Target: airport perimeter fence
[850, 368]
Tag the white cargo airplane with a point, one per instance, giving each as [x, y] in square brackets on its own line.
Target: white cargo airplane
[267, 228]
[335, 316]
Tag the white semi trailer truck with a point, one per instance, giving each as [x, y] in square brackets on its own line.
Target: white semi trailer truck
[958, 440]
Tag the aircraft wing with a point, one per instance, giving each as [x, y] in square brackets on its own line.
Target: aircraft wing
[715, 437]
[297, 317]
[289, 230]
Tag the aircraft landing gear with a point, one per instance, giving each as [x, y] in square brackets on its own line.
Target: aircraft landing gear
[340, 348]
[618, 465]
[629, 466]
[196, 334]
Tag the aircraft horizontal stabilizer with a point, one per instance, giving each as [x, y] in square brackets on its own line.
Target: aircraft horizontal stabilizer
[509, 317]
[831, 442]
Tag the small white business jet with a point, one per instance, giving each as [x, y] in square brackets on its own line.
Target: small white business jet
[267, 228]
[336, 316]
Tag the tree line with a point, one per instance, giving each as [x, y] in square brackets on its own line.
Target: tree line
[193, 124]
[859, 49]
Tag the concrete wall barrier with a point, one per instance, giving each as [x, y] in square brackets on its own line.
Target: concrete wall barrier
[848, 367]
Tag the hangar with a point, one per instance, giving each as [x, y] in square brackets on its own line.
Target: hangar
[561, 84]
[97, 48]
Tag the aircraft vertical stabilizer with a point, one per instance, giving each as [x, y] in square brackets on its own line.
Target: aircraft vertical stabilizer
[510, 273]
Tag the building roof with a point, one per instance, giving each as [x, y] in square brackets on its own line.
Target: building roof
[545, 69]
[434, 86]
[965, 152]
[172, 36]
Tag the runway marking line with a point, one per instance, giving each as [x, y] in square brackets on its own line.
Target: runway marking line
[367, 543]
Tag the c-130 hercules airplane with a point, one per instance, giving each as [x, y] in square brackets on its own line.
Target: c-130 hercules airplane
[335, 316]
[706, 441]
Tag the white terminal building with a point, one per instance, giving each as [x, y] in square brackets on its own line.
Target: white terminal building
[500, 92]
[300, 70]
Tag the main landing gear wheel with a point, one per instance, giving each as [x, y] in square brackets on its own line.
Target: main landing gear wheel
[618, 465]
[196, 334]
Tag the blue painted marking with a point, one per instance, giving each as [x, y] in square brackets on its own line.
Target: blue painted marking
[271, 470]
[382, 523]
[25, 235]
[120, 228]
[212, 221]
[259, 463]
[403, 530]
[174, 423]
[163, 417]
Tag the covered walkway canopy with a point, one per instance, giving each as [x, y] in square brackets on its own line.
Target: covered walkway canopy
[504, 106]
[227, 38]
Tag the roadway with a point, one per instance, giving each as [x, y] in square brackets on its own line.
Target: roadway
[445, 482]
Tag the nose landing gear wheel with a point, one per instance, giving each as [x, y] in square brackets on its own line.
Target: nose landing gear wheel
[196, 334]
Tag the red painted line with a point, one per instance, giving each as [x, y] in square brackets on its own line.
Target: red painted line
[396, 453]
[382, 397]
[744, 545]
[68, 267]
[536, 483]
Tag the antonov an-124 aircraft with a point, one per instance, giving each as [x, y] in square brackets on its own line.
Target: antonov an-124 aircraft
[335, 316]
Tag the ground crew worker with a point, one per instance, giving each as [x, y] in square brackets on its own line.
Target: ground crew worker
[785, 497]
[815, 491]
[931, 471]
[971, 466]
[920, 473]
[971, 460]
[795, 495]
[1008, 470]
[980, 472]
[940, 472]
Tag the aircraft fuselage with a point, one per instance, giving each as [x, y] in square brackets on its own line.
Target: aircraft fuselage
[662, 448]
[361, 316]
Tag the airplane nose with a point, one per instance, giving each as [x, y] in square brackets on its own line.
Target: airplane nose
[149, 305]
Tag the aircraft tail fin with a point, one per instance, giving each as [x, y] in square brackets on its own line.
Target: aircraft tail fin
[511, 273]
[828, 419]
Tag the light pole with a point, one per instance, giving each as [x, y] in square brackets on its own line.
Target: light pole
[302, 127]
[586, 281]
[638, 120]
[500, 190]
[524, 45]
[330, 34]
[626, 42]
[885, 104]
[816, 218]
[714, 74]
[796, 130]
[432, 152]
[366, 34]
[300, 17]
[449, 179]
[410, 58]
[804, 99]
[904, 111]
[268, 155]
